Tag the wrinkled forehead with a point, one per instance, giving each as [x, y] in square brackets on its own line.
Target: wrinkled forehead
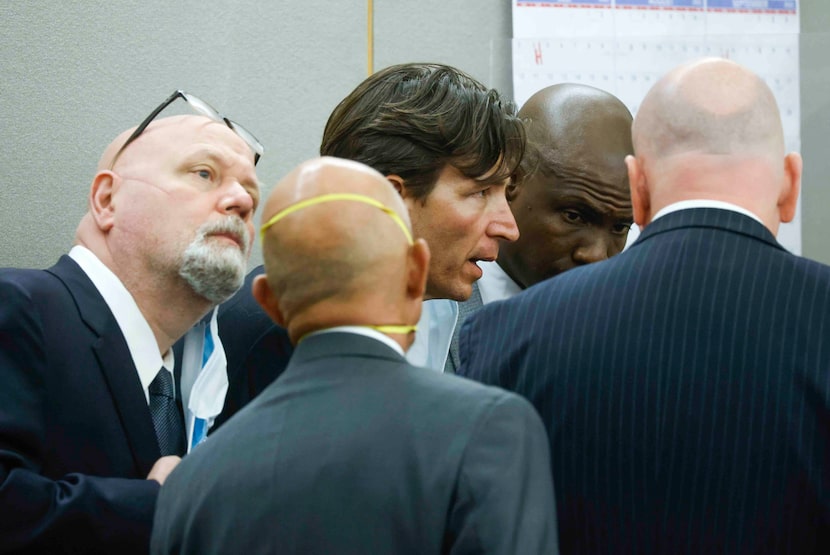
[181, 141]
[185, 137]
[603, 197]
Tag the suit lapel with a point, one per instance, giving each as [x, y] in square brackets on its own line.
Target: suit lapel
[115, 364]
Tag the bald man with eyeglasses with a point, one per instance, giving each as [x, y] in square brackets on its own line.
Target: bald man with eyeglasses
[90, 413]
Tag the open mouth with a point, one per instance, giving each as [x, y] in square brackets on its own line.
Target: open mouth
[477, 260]
[474, 261]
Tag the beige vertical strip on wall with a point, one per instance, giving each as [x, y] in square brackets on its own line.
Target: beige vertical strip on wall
[370, 52]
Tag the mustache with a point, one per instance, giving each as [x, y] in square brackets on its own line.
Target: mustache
[229, 225]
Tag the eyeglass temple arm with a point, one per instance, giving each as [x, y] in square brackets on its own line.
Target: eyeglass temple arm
[140, 129]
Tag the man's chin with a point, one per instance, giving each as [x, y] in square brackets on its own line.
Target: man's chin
[217, 292]
[458, 291]
[217, 276]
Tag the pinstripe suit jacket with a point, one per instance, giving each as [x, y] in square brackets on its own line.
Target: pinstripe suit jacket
[685, 387]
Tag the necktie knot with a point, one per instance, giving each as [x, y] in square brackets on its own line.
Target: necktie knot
[162, 384]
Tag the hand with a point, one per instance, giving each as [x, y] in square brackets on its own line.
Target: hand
[163, 467]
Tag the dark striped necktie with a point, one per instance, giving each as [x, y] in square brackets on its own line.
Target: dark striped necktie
[167, 418]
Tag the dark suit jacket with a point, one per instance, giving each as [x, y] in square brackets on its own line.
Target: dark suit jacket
[256, 348]
[76, 436]
[685, 387]
[353, 450]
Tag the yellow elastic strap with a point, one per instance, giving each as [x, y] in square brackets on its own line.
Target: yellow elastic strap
[385, 328]
[332, 197]
[391, 328]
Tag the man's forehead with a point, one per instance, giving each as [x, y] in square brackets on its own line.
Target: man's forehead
[196, 127]
[600, 196]
[195, 134]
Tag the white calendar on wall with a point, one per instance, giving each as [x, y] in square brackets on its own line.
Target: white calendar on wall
[624, 46]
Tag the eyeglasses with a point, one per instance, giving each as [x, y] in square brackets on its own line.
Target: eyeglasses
[203, 108]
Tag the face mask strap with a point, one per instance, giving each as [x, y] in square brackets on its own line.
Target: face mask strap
[333, 197]
[392, 328]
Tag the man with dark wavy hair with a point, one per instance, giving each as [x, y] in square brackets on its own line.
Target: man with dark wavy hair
[448, 145]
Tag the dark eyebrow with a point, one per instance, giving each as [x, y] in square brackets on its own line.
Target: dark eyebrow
[589, 204]
[492, 180]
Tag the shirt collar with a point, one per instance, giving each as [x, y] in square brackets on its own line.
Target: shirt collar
[704, 203]
[435, 329]
[362, 330]
[140, 339]
[495, 284]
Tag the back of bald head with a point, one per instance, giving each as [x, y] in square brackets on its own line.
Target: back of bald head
[338, 250]
[711, 107]
[565, 120]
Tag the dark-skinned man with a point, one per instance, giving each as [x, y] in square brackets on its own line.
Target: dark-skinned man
[569, 197]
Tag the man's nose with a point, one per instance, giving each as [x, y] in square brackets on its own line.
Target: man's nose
[236, 199]
[503, 224]
[592, 249]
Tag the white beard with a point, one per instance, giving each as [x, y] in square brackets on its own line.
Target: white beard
[216, 271]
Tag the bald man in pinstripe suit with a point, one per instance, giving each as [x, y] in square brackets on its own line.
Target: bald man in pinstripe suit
[684, 384]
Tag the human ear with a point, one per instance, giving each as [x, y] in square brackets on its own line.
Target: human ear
[640, 198]
[418, 267]
[261, 291]
[788, 199]
[408, 199]
[101, 201]
[511, 191]
[397, 183]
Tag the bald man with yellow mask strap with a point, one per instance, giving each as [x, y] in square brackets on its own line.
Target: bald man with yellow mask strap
[358, 450]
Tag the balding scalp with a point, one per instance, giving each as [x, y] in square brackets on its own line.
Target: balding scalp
[714, 108]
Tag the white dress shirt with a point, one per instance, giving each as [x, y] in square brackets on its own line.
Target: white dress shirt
[363, 330]
[140, 339]
[495, 284]
[704, 203]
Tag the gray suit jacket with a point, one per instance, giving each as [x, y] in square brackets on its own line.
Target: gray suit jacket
[352, 450]
[465, 309]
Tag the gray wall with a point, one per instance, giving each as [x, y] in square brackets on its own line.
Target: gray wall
[815, 129]
[75, 74]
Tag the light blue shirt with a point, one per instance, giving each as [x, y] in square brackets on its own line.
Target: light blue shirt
[204, 379]
[434, 335]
